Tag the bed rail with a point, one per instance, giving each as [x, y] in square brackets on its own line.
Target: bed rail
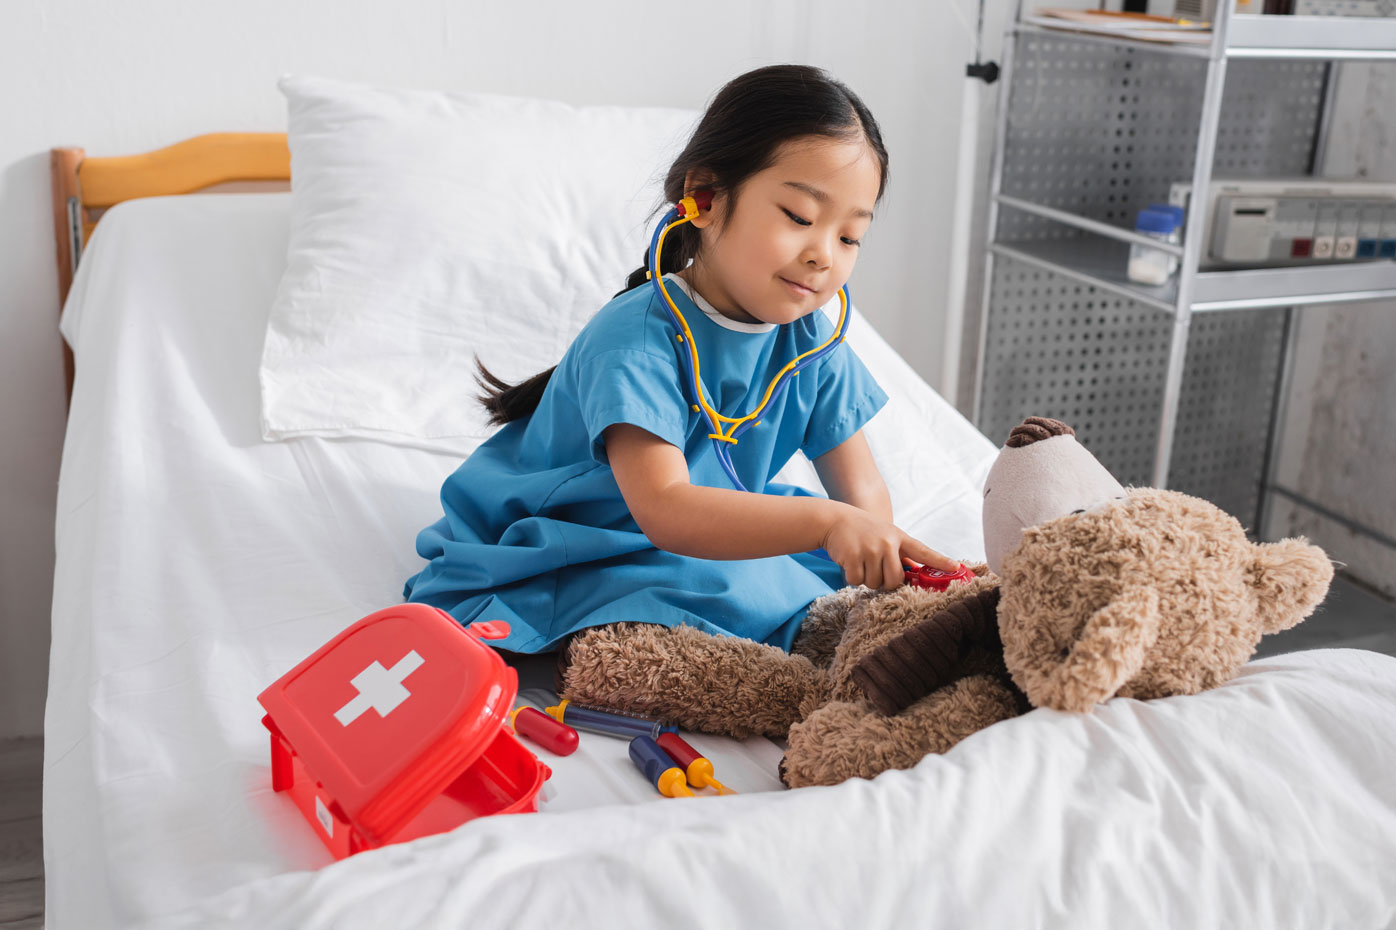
[85, 188]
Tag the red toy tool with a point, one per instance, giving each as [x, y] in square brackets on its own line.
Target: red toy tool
[551, 734]
[396, 729]
[927, 577]
[695, 766]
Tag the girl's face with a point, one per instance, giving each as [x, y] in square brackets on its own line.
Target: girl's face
[793, 237]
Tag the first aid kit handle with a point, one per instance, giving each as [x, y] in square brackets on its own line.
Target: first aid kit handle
[489, 629]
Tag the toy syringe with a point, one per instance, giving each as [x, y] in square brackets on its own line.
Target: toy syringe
[608, 722]
[698, 769]
[657, 766]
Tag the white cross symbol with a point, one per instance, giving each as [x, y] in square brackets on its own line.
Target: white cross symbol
[380, 688]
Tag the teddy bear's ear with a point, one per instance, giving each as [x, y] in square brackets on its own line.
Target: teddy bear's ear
[1109, 652]
[1290, 579]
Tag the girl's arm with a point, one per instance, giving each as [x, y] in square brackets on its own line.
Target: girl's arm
[717, 523]
[849, 474]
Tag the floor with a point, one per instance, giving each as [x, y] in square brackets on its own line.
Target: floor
[1352, 617]
[21, 842]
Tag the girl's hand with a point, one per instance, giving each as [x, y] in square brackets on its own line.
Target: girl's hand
[871, 551]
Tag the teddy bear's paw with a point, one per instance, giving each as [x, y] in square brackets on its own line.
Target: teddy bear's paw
[698, 681]
[846, 739]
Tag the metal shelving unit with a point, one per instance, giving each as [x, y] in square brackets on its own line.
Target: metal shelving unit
[1065, 184]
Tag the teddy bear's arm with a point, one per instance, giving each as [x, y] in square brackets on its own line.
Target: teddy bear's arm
[1109, 651]
[914, 664]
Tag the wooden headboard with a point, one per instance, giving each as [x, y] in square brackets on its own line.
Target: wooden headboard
[85, 188]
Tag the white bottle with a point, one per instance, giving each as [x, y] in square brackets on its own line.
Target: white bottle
[1151, 266]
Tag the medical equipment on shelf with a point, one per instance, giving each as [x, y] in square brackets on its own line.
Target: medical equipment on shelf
[654, 763]
[609, 723]
[696, 768]
[549, 732]
[686, 210]
[395, 729]
[1294, 221]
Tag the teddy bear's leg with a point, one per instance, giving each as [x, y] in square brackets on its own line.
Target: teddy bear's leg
[710, 684]
[824, 624]
[846, 739]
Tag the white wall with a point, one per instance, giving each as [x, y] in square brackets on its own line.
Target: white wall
[122, 78]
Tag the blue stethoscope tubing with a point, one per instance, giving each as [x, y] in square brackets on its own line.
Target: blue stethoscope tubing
[695, 388]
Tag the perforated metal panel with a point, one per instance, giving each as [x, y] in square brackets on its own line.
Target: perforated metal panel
[1225, 410]
[1102, 132]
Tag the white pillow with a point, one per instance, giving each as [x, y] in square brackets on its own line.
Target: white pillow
[427, 228]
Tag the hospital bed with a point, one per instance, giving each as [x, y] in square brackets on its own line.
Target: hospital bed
[197, 562]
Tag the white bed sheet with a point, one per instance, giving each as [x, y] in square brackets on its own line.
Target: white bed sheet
[197, 563]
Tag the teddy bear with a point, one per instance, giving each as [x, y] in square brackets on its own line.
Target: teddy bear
[1105, 592]
[1089, 591]
[737, 687]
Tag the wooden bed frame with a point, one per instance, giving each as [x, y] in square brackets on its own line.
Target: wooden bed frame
[85, 188]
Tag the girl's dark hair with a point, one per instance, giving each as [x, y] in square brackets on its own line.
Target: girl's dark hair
[748, 121]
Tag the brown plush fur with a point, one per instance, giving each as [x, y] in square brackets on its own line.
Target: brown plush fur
[1155, 595]
[700, 682]
[736, 687]
[847, 739]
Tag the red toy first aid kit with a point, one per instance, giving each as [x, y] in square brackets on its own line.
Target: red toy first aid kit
[397, 728]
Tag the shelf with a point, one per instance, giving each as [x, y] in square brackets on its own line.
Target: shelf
[1099, 263]
[1294, 286]
[1087, 224]
[1316, 37]
[1321, 38]
[1102, 264]
[1041, 26]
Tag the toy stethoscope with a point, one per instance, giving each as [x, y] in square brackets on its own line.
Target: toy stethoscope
[923, 576]
[723, 439]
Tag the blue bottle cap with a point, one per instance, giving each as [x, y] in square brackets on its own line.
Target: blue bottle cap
[1155, 221]
[1179, 214]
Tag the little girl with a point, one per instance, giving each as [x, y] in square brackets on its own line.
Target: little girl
[601, 498]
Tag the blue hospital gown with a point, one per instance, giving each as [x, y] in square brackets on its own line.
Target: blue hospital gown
[535, 531]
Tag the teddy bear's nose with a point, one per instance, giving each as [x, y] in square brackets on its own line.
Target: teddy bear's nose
[1034, 429]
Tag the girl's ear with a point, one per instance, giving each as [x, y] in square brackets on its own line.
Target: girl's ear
[696, 180]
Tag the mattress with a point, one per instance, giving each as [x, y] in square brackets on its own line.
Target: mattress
[197, 563]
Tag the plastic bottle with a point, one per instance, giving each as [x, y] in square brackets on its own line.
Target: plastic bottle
[1151, 266]
[1180, 216]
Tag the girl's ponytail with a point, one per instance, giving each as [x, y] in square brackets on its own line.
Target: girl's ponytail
[680, 246]
[508, 402]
